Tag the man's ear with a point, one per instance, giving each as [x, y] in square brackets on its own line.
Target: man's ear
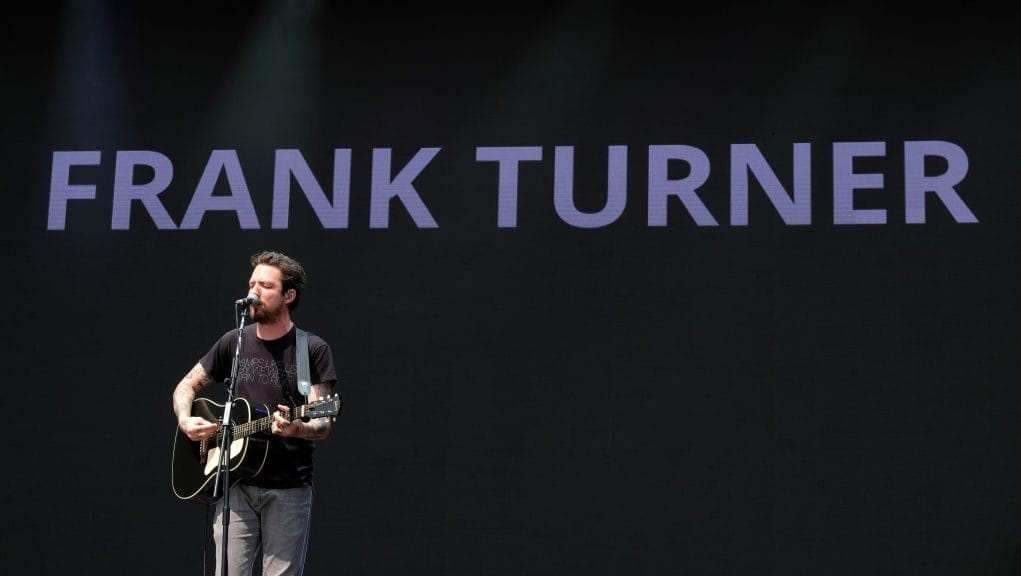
[289, 295]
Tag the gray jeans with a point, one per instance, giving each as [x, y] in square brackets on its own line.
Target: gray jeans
[273, 523]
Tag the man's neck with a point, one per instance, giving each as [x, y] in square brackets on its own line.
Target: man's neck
[276, 329]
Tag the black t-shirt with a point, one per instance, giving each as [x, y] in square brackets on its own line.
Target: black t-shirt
[267, 376]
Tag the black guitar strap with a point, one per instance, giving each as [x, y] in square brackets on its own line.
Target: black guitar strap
[304, 381]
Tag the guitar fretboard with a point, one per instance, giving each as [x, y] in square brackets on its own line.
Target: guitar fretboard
[325, 407]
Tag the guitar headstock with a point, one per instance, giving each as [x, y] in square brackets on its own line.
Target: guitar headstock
[320, 408]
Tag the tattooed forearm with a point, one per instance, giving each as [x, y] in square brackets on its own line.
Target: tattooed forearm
[316, 429]
[184, 393]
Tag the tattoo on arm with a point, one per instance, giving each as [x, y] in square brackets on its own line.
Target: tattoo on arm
[318, 428]
[184, 393]
[314, 429]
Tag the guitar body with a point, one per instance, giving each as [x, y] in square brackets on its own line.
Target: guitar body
[195, 464]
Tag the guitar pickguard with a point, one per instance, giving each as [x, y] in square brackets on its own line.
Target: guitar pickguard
[237, 447]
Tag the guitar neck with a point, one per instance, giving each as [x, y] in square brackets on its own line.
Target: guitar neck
[245, 429]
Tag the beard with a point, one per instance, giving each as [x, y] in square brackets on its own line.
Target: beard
[265, 315]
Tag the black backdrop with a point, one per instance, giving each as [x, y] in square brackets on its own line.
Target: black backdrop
[544, 398]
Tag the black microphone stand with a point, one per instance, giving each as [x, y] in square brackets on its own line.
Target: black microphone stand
[222, 484]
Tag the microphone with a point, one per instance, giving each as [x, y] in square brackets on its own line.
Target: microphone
[248, 300]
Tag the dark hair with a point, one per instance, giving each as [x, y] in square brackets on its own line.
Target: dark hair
[291, 272]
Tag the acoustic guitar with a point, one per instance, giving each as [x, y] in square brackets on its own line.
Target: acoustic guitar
[195, 464]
